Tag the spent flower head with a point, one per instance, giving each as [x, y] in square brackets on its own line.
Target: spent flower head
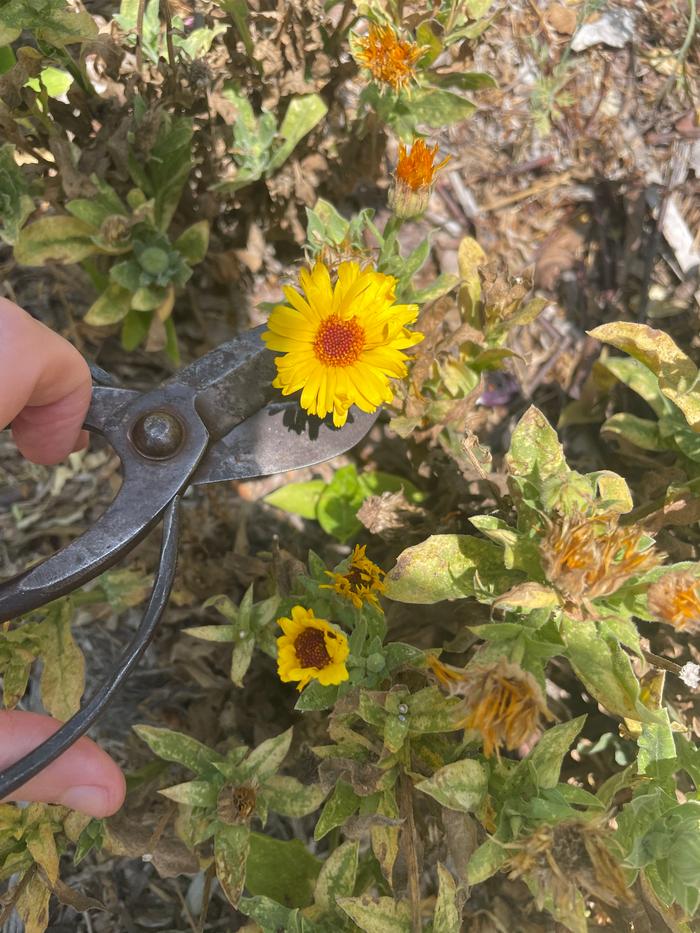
[361, 582]
[501, 701]
[567, 858]
[310, 649]
[591, 556]
[415, 175]
[342, 341]
[675, 599]
[389, 58]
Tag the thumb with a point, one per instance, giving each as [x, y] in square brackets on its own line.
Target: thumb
[83, 778]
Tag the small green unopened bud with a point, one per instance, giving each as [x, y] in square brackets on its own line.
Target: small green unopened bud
[376, 662]
[153, 260]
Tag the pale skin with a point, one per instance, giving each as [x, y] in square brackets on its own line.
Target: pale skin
[45, 391]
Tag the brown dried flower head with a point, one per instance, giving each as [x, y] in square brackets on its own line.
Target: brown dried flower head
[590, 556]
[675, 599]
[568, 858]
[501, 701]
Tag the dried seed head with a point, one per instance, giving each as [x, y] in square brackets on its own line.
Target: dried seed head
[501, 701]
[590, 556]
[675, 599]
[568, 858]
[235, 805]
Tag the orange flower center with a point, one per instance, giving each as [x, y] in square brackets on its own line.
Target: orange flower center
[310, 648]
[389, 58]
[686, 607]
[339, 343]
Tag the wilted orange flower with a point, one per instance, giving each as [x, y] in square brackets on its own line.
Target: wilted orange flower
[675, 599]
[569, 857]
[390, 59]
[361, 582]
[415, 174]
[588, 557]
[502, 701]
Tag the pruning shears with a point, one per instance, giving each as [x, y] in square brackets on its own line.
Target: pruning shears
[217, 419]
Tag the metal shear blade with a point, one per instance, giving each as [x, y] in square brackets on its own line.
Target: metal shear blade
[215, 420]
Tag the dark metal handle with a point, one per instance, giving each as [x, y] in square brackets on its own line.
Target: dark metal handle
[148, 488]
[28, 767]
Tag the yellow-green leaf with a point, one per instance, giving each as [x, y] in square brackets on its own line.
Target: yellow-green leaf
[54, 239]
[33, 905]
[42, 845]
[112, 306]
[677, 373]
[63, 677]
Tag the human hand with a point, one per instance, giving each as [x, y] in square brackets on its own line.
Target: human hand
[45, 389]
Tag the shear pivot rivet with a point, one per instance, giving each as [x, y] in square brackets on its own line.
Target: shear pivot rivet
[157, 435]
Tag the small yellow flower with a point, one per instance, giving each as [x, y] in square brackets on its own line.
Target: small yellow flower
[588, 557]
[389, 59]
[502, 702]
[415, 175]
[342, 342]
[675, 599]
[360, 583]
[310, 649]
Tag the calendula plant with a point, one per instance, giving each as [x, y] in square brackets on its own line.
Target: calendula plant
[407, 87]
[144, 267]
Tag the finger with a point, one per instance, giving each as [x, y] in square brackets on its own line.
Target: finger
[83, 778]
[45, 386]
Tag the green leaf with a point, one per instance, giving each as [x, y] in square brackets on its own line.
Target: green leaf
[135, 328]
[380, 915]
[297, 498]
[55, 80]
[231, 847]
[63, 676]
[303, 114]
[193, 243]
[445, 567]
[435, 107]
[340, 805]
[440, 286]
[535, 452]
[465, 80]
[179, 748]
[15, 203]
[655, 349]
[458, 786]
[528, 596]
[655, 744]
[112, 306]
[486, 861]
[337, 505]
[264, 760]
[547, 756]
[285, 871]
[337, 877]
[641, 432]
[316, 697]
[448, 915]
[216, 633]
[192, 793]
[268, 914]
[289, 797]
[54, 239]
[241, 658]
[604, 668]
[48, 21]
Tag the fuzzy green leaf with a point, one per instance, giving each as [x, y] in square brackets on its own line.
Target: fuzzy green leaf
[231, 847]
[112, 306]
[444, 567]
[340, 805]
[284, 870]
[303, 114]
[486, 861]
[448, 916]
[297, 498]
[179, 748]
[457, 786]
[380, 915]
[54, 239]
[337, 876]
[265, 760]
[193, 243]
[193, 793]
[288, 796]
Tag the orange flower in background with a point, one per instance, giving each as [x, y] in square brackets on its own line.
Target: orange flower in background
[675, 599]
[415, 176]
[390, 60]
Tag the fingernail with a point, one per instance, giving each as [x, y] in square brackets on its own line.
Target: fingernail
[89, 798]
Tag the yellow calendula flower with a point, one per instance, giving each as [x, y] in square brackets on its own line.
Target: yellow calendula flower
[310, 649]
[501, 701]
[342, 342]
[390, 59]
[415, 175]
[361, 582]
[675, 599]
